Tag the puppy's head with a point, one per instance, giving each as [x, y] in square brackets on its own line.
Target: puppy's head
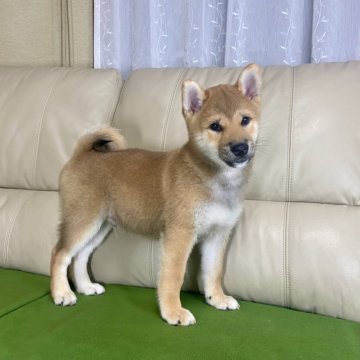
[223, 120]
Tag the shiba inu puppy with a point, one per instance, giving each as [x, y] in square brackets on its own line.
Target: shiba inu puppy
[188, 196]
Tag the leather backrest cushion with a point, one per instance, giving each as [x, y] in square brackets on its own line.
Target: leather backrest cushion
[43, 112]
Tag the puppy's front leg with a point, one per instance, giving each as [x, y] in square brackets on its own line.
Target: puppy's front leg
[176, 248]
[213, 251]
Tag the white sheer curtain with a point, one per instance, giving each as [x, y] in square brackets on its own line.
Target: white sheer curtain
[131, 34]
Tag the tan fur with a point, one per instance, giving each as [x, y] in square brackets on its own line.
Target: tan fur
[180, 194]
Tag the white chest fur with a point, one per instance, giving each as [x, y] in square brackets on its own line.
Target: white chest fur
[223, 208]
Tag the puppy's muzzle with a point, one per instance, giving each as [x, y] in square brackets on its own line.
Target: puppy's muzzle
[240, 150]
[235, 154]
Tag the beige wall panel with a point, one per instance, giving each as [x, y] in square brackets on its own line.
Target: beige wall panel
[46, 32]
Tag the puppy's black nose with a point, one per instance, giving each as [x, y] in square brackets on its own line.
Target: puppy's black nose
[240, 149]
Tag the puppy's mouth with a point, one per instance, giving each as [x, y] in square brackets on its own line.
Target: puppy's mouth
[239, 162]
[236, 162]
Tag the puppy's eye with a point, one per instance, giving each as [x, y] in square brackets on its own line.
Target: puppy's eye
[215, 126]
[245, 120]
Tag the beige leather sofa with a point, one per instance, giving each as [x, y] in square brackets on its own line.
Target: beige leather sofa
[298, 243]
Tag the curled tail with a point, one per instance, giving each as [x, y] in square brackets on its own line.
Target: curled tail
[105, 139]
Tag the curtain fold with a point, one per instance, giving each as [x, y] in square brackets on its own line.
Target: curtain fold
[131, 34]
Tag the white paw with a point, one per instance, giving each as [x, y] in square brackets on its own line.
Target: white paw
[223, 302]
[91, 289]
[179, 316]
[64, 298]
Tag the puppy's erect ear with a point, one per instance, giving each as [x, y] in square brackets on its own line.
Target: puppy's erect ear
[193, 97]
[249, 82]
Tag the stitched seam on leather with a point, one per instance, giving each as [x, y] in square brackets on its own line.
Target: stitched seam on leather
[26, 189]
[118, 103]
[287, 221]
[110, 118]
[247, 199]
[17, 211]
[299, 202]
[291, 137]
[39, 129]
[169, 109]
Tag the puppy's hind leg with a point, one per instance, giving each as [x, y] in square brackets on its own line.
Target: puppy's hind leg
[80, 273]
[74, 236]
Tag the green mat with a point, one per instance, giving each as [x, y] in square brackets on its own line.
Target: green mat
[124, 323]
[19, 288]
